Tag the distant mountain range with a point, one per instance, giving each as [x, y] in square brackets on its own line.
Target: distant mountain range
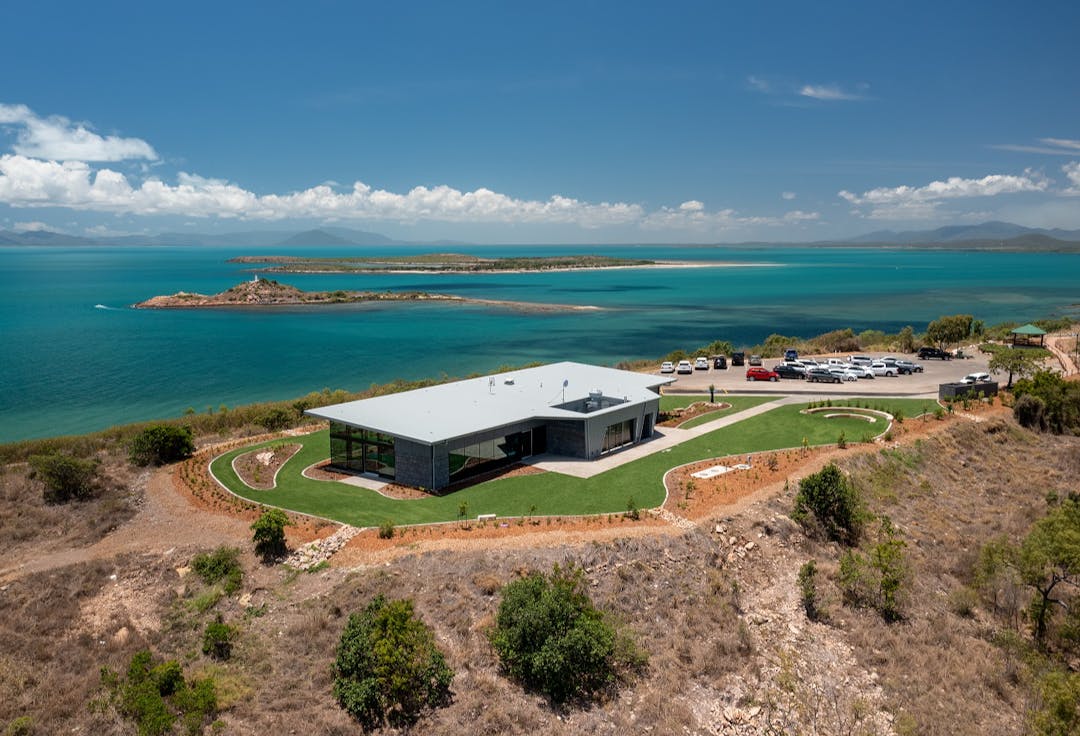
[320, 237]
[987, 231]
[985, 236]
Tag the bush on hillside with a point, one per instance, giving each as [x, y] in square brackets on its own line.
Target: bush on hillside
[275, 419]
[222, 565]
[162, 444]
[388, 668]
[828, 501]
[1060, 411]
[155, 696]
[66, 478]
[551, 638]
[269, 534]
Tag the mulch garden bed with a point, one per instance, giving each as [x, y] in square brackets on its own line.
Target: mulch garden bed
[675, 417]
[258, 468]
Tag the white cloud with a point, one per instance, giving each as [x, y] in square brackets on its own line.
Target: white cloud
[827, 92]
[1072, 172]
[58, 139]
[761, 85]
[1062, 143]
[31, 227]
[692, 206]
[787, 195]
[722, 220]
[1048, 146]
[910, 203]
[28, 182]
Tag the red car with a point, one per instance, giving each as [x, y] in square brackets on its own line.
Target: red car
[761, 374]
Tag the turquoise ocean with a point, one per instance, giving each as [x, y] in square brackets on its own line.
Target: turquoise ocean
[74, 357]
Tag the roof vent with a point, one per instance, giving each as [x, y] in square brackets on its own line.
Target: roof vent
[509, 382]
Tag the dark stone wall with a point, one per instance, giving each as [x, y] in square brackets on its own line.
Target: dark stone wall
[566, 438]
[952, 390]
[412, 463]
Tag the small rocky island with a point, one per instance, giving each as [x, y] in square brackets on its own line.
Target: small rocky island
[439, 263]
[262, 292]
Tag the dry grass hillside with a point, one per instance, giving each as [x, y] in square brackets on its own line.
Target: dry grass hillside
[717, 609]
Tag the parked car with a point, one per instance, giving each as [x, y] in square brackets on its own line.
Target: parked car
[755, 360]
[809, 363]
[902, 367]
[701, 364]
[844, 373]
[860, 371]
[976, 378]
[821, 375]
[758, 373]
[684, 367]
[791, 354]
[667, 367]
[794, 364]
[860, 360]
[720, 363]
[835, 361]
[738, 358]
[787, 370]
[883, 369]
[927, 352]
[909, 366]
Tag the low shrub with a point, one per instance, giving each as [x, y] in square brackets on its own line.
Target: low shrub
[827, 499]
[269, 534]
[388, 667]
[550, 637]
[160, 444]
[66, 478]
[386, 530]
[156, 696]
[220, 566]
[217, 640]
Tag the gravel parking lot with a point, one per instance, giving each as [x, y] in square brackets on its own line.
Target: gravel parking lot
[733, 380]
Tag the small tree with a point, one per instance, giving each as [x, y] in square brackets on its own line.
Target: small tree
[829, 497]
[949, 330]
[808, 590]
[1048, 560]
[388, 667]
[217, 639]
[269, 534]
[65, 477]
[905, 340]
[161, 444]
[1014, 361]
[550, 636]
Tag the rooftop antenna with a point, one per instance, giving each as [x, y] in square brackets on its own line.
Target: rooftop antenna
[565, 383]
[491, 385]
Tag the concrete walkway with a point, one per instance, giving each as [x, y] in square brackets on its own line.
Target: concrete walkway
[664, 438]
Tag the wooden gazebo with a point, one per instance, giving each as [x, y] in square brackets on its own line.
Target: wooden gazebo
[1025, 336]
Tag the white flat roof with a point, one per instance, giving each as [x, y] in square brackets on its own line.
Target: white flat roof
[450, 410]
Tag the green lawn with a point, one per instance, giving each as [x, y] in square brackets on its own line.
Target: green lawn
[551, 493]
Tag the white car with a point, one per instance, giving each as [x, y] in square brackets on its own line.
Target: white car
[667, 367]
[860, 371]
[863, 360]
[883, 369]
[684, 367]
[701, 364]
[795, 364]
[844, 373]
[808, 363]
[976, 378]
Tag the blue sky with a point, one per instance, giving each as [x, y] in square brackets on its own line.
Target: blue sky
[580, 122]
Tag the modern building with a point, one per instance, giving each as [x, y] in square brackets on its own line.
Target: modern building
[436, 436]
